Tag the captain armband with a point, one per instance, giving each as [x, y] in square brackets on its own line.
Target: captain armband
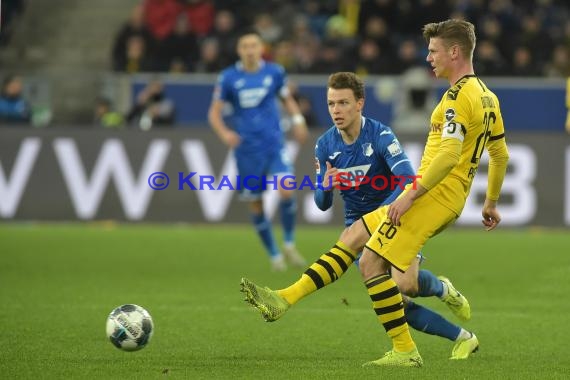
[454, 130]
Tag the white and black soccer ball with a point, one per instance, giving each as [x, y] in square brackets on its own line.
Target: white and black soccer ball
[129, 327]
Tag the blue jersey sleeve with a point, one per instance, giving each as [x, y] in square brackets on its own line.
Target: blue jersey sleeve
[397, 161]
[323, 199]
[280, 78]
[221, 90]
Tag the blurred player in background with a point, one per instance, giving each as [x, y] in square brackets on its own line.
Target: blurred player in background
[359, 148]
[252, 86]
[466, 120]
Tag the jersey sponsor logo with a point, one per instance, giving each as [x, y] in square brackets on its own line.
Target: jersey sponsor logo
[394, 148]
[436, 127]
[353, 174]
[367, 149]
[251, 97]
[334, 155]
[449, 114]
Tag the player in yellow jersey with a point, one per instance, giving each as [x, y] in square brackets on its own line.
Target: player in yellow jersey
[465, 122]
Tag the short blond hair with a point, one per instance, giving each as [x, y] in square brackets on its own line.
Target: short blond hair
[453, 32]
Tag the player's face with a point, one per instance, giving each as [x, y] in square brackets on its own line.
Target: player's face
[344, 109]
[439, 57]
[250, 49]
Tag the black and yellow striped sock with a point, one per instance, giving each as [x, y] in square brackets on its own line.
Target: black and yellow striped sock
[388, 305]
[327, 269]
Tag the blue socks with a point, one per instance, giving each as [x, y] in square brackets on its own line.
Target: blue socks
[425, 320]
[288, 211]
[265, 232]
[429, 285]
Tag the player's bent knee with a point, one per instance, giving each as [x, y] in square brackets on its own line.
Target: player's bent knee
[407, 282]
[371, 265]
[365, 265]
[408, 288]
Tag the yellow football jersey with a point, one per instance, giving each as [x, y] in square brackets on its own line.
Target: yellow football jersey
[470, 113]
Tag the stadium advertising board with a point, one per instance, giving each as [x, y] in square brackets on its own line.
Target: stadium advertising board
[520, 98]
[61, 175]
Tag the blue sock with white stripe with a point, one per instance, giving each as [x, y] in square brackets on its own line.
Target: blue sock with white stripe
[288, 210]
[265, 232]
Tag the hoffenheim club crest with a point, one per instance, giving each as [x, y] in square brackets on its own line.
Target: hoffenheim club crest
[367, 149]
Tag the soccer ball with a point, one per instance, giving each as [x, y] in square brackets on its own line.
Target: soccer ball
[129, 327]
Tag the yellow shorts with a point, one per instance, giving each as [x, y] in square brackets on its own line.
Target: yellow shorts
[399, 245]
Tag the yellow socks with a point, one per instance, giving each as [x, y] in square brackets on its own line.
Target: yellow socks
[389, 307]
[327, 269]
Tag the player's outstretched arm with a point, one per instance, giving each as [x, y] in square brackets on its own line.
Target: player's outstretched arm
[445, 160]
[498, 161]
[299, 130]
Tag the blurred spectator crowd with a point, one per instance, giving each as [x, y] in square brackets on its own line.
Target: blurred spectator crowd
[515, 38]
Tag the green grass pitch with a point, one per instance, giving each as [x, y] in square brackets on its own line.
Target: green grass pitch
[59, 282]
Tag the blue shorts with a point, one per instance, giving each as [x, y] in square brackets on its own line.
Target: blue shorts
[261, 171]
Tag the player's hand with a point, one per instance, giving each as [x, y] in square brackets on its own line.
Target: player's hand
[491, 217]
[399, 207]
[230, 138]
[330, 180]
